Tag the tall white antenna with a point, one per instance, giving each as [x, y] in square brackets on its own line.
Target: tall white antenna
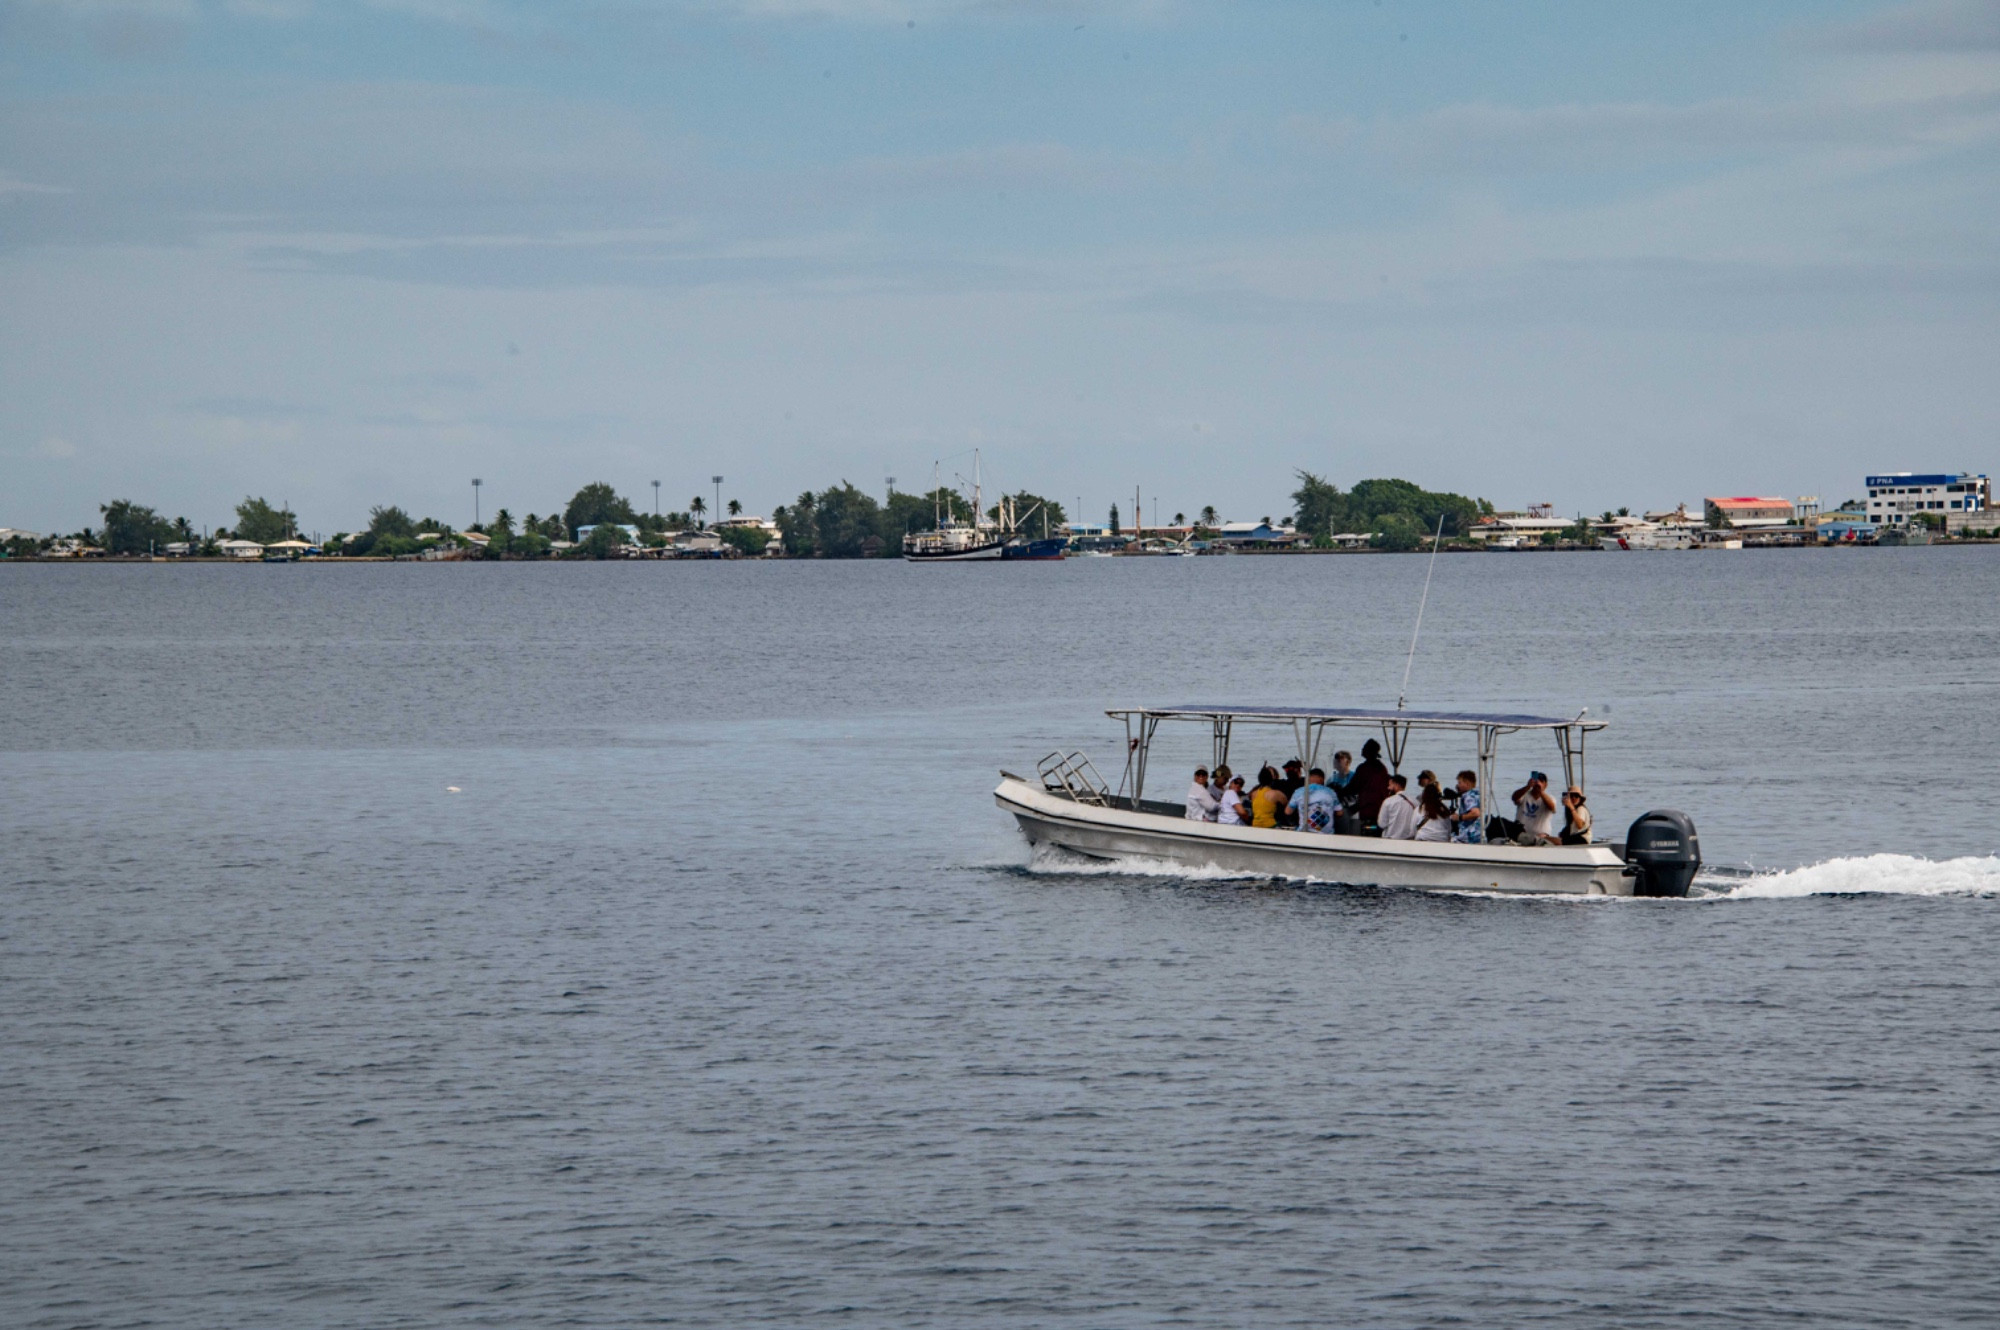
[1404, 691]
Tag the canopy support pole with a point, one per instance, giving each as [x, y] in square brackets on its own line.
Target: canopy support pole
[1308, 734]
[1147, 724]
[1397, 736]
[1131, 748]
[1572, 750]
[1489, 740]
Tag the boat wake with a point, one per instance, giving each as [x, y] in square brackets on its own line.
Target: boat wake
[1867, 875]
[1861, 875]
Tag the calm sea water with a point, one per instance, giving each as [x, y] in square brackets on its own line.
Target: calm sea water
[604, 944]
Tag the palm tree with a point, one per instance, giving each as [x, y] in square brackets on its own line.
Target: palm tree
[735, 508]
[1180, 519]
[697, 507]
[1208, 515]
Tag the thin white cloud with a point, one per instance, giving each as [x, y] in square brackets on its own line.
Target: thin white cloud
[1935, 26]
[498, 14]
[13, 184]
[920, 11]
[87, 10]
[1493, 139]
[1019, 164]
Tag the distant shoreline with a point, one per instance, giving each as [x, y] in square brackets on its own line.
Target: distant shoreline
[132, 559]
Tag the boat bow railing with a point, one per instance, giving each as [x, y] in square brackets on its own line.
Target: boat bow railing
[1073, 774]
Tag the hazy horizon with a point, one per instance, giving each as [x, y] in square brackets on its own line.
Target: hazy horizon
[346, 254]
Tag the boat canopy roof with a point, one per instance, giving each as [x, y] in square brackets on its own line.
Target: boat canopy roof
[1433, 720]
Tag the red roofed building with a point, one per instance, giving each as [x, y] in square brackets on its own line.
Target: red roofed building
[1740, 512]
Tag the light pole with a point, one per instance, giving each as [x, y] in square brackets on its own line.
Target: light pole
[656, 498]
[717, 510]
[476, 483]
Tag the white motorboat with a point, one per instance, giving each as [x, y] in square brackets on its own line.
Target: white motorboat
[1070, 807]
[1647, 536]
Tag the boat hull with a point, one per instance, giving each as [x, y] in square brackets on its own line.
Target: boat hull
[1117, 833]
[969, 554]
[1035, 551]
[1646, 541]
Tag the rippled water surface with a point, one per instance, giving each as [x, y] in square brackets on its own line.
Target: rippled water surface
[603, 944]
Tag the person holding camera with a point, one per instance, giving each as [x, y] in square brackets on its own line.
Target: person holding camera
[1535, 812]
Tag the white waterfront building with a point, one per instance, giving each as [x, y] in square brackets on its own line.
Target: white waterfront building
[1893, 496]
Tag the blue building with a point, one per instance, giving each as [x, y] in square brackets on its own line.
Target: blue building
[1894, 496]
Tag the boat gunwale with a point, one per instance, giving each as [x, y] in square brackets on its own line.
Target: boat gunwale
[1574, 858]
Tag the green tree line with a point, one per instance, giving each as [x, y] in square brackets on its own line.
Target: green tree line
[838, 522]
[1398, 514]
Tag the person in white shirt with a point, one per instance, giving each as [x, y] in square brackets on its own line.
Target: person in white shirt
[1232, 812]
[1535, 810]
[1434, 819]
[1201, 800]
[1398, 818]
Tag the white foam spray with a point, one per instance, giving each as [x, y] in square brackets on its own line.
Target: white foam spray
[1875, 874]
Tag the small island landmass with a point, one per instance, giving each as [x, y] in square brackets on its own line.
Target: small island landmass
[843, 521]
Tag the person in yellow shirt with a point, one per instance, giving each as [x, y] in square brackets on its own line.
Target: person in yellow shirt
[1267, 800]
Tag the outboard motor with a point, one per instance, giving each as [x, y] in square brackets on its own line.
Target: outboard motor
[1662, 854]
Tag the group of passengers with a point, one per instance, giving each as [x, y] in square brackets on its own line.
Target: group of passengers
[1371, 800]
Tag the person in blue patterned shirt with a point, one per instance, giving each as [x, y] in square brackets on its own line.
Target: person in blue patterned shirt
[1467, 815]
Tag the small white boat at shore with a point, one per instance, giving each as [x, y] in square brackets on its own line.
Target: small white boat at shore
[1647, 536]
[1070, 807]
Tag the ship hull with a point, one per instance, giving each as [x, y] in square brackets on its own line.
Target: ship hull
[1035, 551]
[970, 554]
